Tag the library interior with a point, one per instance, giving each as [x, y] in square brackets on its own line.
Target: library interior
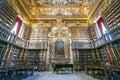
[59, 39]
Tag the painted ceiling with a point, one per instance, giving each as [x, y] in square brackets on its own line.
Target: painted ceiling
[73, 9]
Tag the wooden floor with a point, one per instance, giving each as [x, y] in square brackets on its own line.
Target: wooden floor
[61, 76]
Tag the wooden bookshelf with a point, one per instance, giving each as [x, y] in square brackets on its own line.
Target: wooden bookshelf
[4, 33]
[27, 32]
[39, 34]
[2, 51]
[96, 57]
[38, 38]
[14, 57]
[111, 15]
[80, 34]
[102, 55]
[115, 32]
[7, 14]
[37, 58]
[82, 58]
[92, 32]
[30, 58]
[14, 52]
[20, 59]
[115, 52]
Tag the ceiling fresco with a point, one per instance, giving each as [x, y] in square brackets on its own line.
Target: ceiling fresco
[59, 7]
[38, 9]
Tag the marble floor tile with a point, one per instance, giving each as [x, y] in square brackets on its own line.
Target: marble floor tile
[60, 76]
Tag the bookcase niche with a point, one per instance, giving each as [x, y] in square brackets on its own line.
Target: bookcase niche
[26, 32]
[92, 33]
[7, 14]
[102, 54]
[111, 14]
[82, 58]
[37, 58]
[2, 50]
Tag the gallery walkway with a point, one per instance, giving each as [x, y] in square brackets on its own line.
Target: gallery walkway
[61, 76]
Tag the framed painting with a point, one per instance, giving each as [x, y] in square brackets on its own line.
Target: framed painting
[59, 48]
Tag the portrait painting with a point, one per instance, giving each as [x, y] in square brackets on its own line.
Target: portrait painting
[59, 48]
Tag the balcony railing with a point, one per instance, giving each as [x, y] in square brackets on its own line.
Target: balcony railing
[7, 36]
[37, 45]
[112, 36]
[81, 45]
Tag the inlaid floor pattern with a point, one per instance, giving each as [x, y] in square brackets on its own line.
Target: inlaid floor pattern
[60, 76]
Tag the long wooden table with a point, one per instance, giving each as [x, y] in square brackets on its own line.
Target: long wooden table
[57, 67]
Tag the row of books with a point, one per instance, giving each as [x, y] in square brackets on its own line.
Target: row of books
[7, 14]
[37, 58]
[82, 58]
[99, 56]
[80, 34]
[111, 15]
[38, 34]
[92, 32]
